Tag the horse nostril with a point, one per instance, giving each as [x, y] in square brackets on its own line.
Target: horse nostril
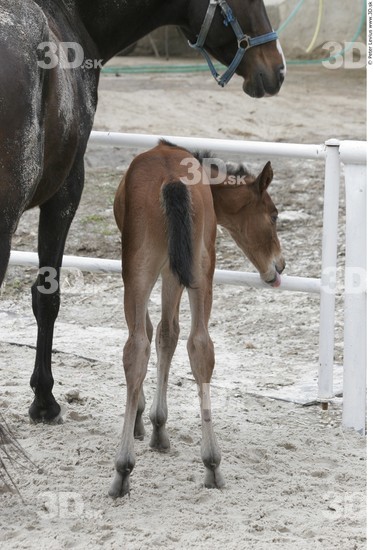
[281, 268]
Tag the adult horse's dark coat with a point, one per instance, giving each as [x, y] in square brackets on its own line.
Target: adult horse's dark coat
[46, 115]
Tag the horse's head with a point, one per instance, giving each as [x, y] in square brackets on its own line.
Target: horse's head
[243, 206]
[239, 35]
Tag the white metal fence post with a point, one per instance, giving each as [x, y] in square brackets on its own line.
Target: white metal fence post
[328, 271]
[353, 155]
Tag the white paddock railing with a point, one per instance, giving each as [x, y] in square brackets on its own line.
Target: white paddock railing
[332, 153]
[221, 276]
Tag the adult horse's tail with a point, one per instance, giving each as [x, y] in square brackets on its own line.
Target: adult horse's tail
[178, 209]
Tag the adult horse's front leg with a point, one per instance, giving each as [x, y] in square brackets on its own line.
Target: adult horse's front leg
[56, 216]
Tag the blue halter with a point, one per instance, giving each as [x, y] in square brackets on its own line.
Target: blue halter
[244, 41]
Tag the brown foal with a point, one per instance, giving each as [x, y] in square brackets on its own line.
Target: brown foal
[167, 209]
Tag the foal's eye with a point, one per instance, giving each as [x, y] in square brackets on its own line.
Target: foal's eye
[274, 218]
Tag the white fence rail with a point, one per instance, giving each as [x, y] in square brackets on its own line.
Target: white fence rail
[221, 276]
[353, 155]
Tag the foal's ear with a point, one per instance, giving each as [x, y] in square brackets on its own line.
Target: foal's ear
[265, 178]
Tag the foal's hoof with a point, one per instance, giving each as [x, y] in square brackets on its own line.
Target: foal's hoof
[214, 479]
[120, 485]
[160, 441]
[139, 431]
[48, 414]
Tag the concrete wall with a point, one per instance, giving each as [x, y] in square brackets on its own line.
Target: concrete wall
[340, 21]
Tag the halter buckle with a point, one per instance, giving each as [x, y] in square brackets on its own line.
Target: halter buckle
[244, 42]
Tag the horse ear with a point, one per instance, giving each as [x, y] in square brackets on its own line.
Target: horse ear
[265, 178]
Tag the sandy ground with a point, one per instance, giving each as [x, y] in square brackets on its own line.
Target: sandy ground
[294, 479]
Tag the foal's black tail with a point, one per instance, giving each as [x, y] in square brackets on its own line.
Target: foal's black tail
[178, 209]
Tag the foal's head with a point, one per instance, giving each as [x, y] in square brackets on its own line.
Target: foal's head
[243, 206]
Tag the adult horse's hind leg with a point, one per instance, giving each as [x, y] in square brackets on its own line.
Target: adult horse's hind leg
[56, 216]
[202, 360]
[166, 341]
[5, 239]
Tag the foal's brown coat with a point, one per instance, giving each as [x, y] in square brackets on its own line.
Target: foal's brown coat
[159, 216]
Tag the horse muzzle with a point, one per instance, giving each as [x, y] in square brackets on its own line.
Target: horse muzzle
[265, 83]
[272, 277]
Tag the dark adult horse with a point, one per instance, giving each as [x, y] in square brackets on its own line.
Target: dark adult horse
[47, 106]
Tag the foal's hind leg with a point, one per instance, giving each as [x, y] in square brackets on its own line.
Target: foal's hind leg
[56, 216]
[139, 430]
[166, 341]
[202, 360]
[136, 352]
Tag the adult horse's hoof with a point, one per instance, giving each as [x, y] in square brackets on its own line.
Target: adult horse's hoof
[48, 414]
[120, 485]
